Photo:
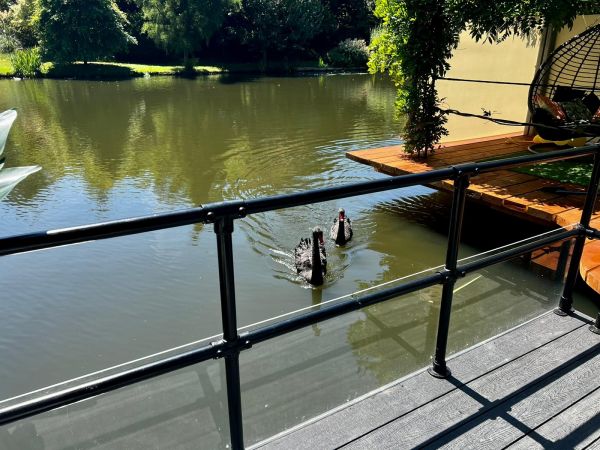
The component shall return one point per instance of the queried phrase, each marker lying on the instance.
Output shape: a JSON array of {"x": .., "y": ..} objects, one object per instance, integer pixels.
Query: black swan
[
  {"x": 311, "y": 259},
  {"x": 341, "y": 231}
]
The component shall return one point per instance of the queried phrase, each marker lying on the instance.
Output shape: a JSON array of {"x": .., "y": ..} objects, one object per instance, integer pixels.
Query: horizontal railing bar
[
  {"x": 274, "y": 203},
  {"x": 35, "y": 241},
  {"x": 330, "y": 312},
  {"x": 119, "y": 228},
  {"x": 148, "y": 371},
  {"x": 517, "y": 251},
  {"x": 593, "y": 233},
  {"x": 219, "y": 349},
  {"x": 517, "y": 161},
  {"x": 368, "y": 187},
  {"x": 67, "y": 396},
  {"x": 85, "y": 233}
]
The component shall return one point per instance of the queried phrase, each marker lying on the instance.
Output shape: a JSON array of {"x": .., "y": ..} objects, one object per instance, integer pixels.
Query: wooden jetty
[
  {"x": 518, "y": 194},
  {"x": 535, "y": 386}
]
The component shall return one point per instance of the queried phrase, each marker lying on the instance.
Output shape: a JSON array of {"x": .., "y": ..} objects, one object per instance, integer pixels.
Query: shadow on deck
[{"x": 535, "y": 386}]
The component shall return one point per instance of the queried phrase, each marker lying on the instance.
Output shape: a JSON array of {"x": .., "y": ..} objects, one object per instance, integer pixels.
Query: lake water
[{"x": 111, "y": 150}]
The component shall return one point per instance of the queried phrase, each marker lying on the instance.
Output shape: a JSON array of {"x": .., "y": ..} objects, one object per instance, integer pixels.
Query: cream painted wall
[
  {"x": 512, "y": 60},
  {"x": 581, "y": 24}
]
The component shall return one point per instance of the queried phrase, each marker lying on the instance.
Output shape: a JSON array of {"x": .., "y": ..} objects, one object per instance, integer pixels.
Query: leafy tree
[
  {"x": 346, "y": 19},
  {"x": 81, "y": 30},
  {"x": 418, "y": 37},
  {"x": 10, "y": 31},
  {"x": 8, "y": 42},
  {"x": 5, "y": 4},
  {"x": 182, "y": 26},
  {"x": 278, "y": 25},
  {"x": 135, "y": 17},
  {"x": 22, "y": 19},
  {"x": 146, "y": 49}
]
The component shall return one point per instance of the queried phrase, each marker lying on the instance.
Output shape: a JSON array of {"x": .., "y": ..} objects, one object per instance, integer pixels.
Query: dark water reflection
[{"x": 119, "y": 149}]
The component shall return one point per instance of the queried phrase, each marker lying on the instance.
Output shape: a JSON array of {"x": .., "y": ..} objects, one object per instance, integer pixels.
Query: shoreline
[{"x": 101, "y": 71}]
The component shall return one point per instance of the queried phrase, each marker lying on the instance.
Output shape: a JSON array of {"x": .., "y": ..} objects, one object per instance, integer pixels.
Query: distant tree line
[{"x": 177, "y": 31}]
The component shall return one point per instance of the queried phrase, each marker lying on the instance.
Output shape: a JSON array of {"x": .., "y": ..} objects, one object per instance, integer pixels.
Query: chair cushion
[
  {"x": 596, "y": 116},
  {"x": 544, "y": 117},
  {"x": 543, "y": 102},
  {"x": 567, "y": 94},
  {"x": 576, "y": 111},
  {"x": 592, "y": 102}
]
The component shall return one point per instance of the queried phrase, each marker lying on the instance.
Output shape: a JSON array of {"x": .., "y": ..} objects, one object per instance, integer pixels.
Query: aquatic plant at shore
[{"x": 27, "y": 63}]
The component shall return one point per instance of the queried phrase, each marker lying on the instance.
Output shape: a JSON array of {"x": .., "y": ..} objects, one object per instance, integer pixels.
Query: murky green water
[{"x": 120, "y": 149}]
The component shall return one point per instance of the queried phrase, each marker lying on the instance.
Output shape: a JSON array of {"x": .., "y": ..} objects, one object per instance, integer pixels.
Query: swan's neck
[
  {"x": 341, "y": 234},
  {"x": 316, "y": 276}
]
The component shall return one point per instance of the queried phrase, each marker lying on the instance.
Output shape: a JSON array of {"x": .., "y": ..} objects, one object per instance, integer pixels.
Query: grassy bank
[
  {"x": 569, "y": 171},
  {"x": 6, "y": 68},
  {"x": 575, "y": 172},
  {"x": 113, "y": 70}
]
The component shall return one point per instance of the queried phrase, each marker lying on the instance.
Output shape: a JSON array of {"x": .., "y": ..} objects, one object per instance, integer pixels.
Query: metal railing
[{"x": 223, "y": 216}]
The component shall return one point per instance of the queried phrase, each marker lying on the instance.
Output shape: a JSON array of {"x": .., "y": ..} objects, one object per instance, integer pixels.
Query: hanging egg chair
[{"x": 565, "y": 91}]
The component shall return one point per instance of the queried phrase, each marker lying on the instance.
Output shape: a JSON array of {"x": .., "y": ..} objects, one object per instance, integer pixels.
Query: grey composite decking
[{"x": 537, "y": 386}]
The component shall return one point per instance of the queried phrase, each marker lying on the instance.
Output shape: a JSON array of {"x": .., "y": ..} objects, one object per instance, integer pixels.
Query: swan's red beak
[
  {"x": 321, "y": 240},
  {"x": 342, "y": 217}
]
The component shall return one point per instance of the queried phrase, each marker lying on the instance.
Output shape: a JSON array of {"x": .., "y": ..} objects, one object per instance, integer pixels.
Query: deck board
[
  {"x": 518, "y": 194},
  {"x": 563, "y": 431},
  {"x": 482, "y": 401},
  {"x": 500, "y": 392}
]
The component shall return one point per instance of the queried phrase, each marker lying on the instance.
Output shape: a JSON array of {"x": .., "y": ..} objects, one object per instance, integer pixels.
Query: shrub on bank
[
  {"x": 27, "y": 63},
  {"x": 90, "y": 71},
  {"x": 349, "y": 53}
]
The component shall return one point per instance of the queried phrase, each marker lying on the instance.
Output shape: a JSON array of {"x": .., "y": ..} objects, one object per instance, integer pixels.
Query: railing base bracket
[
  {"x": 445, "y": 373},
  {"x": 594, "y": 329},
  {"x": 561, "y": 313}
]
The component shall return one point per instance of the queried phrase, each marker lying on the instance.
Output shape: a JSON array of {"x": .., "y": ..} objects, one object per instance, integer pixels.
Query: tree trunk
[
  {"x": 263, "y": 60},
  {"x": 186, "y": 57}
]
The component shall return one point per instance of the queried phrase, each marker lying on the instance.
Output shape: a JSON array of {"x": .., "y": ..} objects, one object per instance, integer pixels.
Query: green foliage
[
  {"x": 276, "y": 25},
  {"x": 81, "y": 30},
  {"x": 500, "y": 19},
  {"x": 349, "y": 53},
  {"x": 8, "y": 41},
  {"x": 5, "y": 4},
  {"x": 91, "y": 71},
  {"x": 345, "y": 19},
  {"x": 182, "y": 26},
  {"x": 16, "y": 30},
  {"x": 224, "y": 30},
  {"x": 417, "y": 38},
  {"x": 22, "y": 21},
  {"x": 575, "y": 172},
  {"x": 413, "y": 46},
  {"x": 27, "y": 63}
]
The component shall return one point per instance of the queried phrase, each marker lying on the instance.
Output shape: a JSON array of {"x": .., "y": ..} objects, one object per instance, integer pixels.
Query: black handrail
[
  {"x": 240, "y": 208},
  {"x": 224, "y": 214}
]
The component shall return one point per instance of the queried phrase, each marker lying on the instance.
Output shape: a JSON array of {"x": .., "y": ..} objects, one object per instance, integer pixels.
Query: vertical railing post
[
  {"x": 461, "y": 183},
  {"x": 565, "y": 306},
  {"x": 563, "y": 260},
  {"x": 224, "y": 230}
]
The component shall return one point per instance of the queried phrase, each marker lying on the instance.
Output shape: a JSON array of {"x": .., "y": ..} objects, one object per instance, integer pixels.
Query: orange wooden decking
[{"x": 519, "y": 194}]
